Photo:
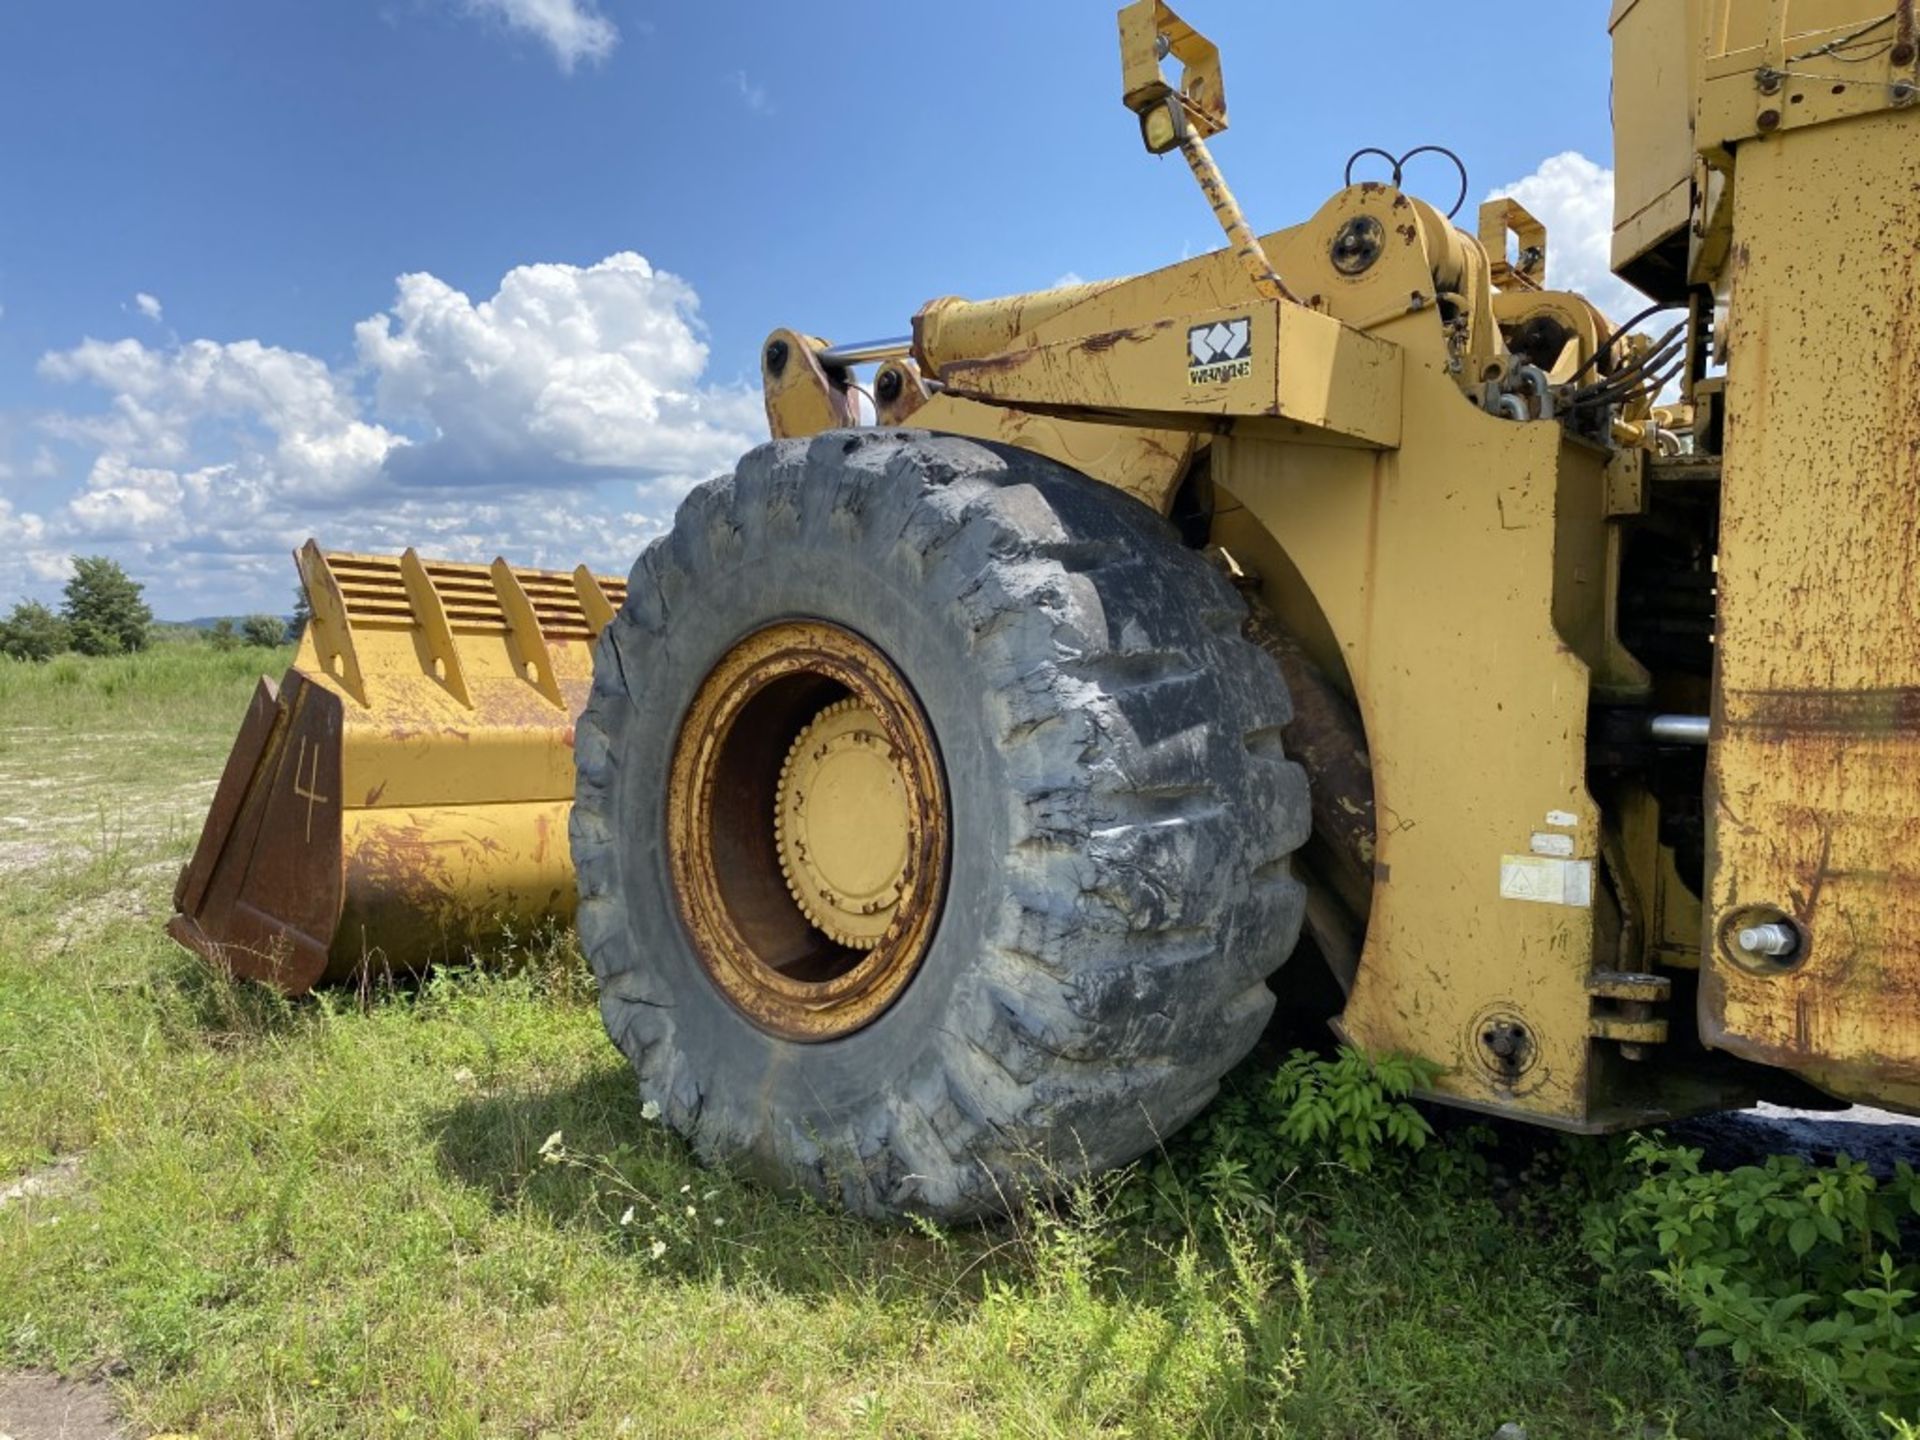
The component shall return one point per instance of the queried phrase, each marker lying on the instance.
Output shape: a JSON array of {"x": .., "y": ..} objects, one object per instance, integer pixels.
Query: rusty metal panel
[
  {"x": 262, "y": 894},
  {"x": 1814, "y": 778}
]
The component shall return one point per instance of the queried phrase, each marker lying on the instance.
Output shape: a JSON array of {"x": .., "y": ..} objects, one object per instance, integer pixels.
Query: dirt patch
[
  {"x": 55, "y": 1179},
  {"x": 34, "y": 1406},
  {"x": 23, "y": 855}
]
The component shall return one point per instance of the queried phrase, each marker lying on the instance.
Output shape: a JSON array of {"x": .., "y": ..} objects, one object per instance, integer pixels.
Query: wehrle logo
[{"x": 1218, "y": 352}]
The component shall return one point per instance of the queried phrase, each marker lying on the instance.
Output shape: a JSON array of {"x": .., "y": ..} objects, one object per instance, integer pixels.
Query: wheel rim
[{"x": 808, "y": 829}]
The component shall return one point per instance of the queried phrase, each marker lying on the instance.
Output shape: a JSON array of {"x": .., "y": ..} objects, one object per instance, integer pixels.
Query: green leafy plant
[
  {"x": 1313, "y": 1109},
  {"x": 1353, "y": 1106},
  {"x": 1799, "y": 1270}
]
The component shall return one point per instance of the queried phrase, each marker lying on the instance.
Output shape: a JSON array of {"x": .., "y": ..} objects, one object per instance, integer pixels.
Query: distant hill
[{"x": 207, "y": 622}]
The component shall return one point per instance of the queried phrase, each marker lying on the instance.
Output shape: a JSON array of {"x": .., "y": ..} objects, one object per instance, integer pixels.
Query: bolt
[
  {"x": 1505, "y": 1039},
  {"x": 887, "y": 386},
  {"x": 1768, "y": 80},
  {"x": 1902, "y": 55},
  {"x": 1769, "y": 119},
  {"x": 776, "y": 358},
  {"x": 1358, "y": 245},
  {"x": 1903, "y": 91},
  {"x": 1774, "y": 939}
]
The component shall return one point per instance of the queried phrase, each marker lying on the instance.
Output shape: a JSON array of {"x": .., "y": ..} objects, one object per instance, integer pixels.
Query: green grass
[{"x": 334, "y": 1217}]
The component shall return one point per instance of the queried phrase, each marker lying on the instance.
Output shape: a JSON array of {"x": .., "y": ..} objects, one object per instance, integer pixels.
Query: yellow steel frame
[{"x": 1459, "y": 574}]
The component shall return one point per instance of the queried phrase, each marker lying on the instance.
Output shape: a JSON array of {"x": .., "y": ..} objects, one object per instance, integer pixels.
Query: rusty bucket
[{"x": 403, "y": 792}]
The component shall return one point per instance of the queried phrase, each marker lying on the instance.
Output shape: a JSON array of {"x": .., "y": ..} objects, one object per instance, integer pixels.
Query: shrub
[
  {"x": 265, "y": 631},
  {"x": 222, "y": 635},
  {"x": 1800, "y": 1270},
  {"x": 32, "y": 632},
  {"x": 1313, "y": 1109},
  {"x": 104, "y": 609}
]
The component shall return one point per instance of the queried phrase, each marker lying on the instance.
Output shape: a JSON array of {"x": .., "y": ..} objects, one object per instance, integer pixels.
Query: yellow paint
[
  {"x": 455, "y": 688},
  {"x": 843, "y": 824}
]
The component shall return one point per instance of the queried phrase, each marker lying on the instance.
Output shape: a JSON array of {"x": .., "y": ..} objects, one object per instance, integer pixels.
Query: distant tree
[
  {"x": 32, "y": 632},
  {"x": 221, "y": 636},
  {"x": 264, "y": 630},
  {"x": 103, "y": 608},
  {"x": 302, "y": 614}
]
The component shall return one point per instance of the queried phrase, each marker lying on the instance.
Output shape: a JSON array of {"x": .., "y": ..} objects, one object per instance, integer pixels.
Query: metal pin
[{"x": 1775, "y": 939}]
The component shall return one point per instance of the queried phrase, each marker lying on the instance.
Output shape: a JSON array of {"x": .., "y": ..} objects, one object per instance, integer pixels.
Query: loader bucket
[{"x": 403, "y": 792}]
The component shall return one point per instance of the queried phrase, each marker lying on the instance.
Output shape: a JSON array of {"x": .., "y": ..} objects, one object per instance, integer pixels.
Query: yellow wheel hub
[
  {"x": 842, "y": 825},
  {"x": 810, "y": 887}
]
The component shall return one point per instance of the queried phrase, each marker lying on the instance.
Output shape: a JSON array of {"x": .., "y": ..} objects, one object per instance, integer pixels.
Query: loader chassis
[{"x": 1556, "y": 895}]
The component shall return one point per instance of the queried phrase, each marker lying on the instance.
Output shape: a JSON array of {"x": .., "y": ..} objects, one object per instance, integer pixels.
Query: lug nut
[{"x": 1775, "y": 939}]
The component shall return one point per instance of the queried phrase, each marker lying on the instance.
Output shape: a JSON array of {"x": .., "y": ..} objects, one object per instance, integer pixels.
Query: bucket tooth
[{"x": 404, "y": 791}]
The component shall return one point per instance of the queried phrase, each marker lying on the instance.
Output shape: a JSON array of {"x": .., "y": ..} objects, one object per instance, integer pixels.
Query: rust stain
[
  {"x": 986, "y": 365},
  {"x": 1813, "y": 878},
  {"x": 1106, "y": 340},
  {"x": 1792, "y": 714},
  {"x": 399, "y": 861}
]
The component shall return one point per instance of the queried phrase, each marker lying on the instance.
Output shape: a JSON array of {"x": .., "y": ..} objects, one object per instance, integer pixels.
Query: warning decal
[
  {"x": 1219, "y": 352},
  {"x": 1546, "y": 881}
]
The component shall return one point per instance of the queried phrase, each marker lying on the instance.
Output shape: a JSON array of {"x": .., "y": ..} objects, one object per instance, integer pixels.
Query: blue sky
[{"x": 490, "y": 276}]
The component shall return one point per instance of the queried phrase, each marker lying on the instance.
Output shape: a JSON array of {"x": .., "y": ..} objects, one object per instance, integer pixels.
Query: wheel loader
[{"x": 959, "y": 790}]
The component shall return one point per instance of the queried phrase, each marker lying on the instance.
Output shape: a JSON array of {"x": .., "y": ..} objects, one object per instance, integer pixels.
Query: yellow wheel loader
[{"x": 956, "y": 793}]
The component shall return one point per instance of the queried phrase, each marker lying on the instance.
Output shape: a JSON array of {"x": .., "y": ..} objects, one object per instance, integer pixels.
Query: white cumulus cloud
[
  {"x": 1574, "y": 197},
  {"x": 566, "y": 367},
  {"x": 555, "y": 421},
  {"x": 289, "y": 419},
  {"x": 574, "y": 30},
  {"x": 148, "y": 306}
]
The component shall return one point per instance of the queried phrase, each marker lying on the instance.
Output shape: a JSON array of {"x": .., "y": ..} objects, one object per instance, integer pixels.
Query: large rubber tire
[{"x": 1122, "y": 816}]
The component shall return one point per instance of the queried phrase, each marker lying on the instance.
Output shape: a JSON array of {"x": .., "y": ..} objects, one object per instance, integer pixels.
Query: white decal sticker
[
  {"x": 1563, "y": 819},
  {"x": 1546, "y": 881},
  {"x": 1545, "y": 842}
]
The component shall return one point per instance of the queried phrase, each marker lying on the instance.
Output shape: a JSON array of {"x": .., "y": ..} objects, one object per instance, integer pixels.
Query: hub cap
[
  {"x": 808, "y": 829},
  {"x": 843, "y": 824}
]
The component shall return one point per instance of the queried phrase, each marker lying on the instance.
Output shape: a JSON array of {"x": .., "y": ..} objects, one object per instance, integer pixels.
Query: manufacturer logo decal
[{"x": 1220, "y": 352}]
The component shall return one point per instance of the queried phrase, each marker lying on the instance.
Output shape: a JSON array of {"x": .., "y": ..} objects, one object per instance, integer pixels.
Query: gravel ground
[{"x": 1742, "y": 1137}]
